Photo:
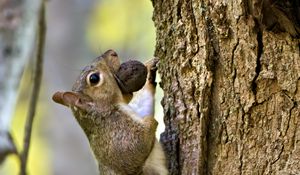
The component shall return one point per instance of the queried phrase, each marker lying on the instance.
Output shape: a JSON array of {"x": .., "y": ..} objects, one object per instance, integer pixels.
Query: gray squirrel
[{"x": 118, "y": 122}]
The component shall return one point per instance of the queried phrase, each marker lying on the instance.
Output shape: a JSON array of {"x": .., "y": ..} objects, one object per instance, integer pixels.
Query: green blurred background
[{"x": 77, "y": 32}]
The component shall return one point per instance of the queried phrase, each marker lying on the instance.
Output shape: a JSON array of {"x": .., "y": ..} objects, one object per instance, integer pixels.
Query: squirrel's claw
[{"x": 152, "y": 68}]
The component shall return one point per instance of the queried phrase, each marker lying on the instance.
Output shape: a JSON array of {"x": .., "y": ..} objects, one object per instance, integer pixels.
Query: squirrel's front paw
[
  {"x": 150, "y": 122},
  {"x": 152, "y": 68}
]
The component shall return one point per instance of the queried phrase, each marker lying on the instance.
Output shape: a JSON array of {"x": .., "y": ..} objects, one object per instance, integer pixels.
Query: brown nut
[{"x": 131, "y": 76}]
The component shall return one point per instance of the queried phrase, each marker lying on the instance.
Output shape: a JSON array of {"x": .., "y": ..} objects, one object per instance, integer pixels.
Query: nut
[{"x": 131, "y": 76}]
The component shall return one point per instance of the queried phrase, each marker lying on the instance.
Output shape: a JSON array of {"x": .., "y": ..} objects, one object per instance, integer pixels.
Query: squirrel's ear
[
  {"x": 71, "y": 99},
  {"x": 112, "y": 60},
  {"x": 131, "y": 76}
]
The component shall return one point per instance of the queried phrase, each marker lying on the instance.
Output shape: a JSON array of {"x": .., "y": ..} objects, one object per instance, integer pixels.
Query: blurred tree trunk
[
  {"x": 230, "y": 73},
  {"x": 18, "y": 31}
]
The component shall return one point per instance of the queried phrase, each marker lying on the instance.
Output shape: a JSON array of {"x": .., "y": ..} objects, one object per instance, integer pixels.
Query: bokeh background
[{"x": 77, "y": 32}]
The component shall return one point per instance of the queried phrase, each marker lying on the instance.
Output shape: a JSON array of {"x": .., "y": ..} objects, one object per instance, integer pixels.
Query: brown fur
[{"x": 121, "y": 140}]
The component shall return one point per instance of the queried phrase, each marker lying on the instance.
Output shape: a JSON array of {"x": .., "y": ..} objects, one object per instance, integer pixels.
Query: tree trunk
[
  {"x": 18, "y": 29},
  {"x": 230, "y": 74}
]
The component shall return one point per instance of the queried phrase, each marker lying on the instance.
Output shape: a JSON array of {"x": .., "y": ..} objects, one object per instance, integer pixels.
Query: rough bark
[{"x": 230, "y": 74}]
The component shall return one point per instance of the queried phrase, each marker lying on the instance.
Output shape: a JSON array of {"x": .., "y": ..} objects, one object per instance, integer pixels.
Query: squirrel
[{"x": 118, "y": 122}]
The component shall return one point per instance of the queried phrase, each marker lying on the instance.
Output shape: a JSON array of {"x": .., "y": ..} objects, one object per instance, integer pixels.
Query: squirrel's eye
[{"x": 93, "y": 79}]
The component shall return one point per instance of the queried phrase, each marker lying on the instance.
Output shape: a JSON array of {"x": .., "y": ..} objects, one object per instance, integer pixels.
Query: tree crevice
[{"x": 260, "y": 49}]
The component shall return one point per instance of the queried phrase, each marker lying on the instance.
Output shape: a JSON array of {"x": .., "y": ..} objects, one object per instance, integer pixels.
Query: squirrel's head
[{"x": 104, "y": 82}]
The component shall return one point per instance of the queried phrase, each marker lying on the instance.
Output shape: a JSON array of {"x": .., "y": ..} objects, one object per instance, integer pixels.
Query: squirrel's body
[
  {"x": 120, "y": 129},
  {"x": 125, "y": 146}
]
